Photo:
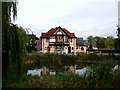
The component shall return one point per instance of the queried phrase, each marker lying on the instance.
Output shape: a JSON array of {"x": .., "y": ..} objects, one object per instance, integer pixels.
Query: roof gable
[
  {"x": 52, "y": 31},
  {"x": 59, "y": 31}
]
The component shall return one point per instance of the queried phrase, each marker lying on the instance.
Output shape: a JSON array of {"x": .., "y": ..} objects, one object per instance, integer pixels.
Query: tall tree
[
  {"x": 7, "y": 9},
  {"x": 13, "y": 39},
  {"x": 7, "y": 38}
]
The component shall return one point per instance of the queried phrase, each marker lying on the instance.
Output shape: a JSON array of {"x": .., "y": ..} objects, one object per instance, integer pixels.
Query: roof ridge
[{"x": 52, "y": 30}]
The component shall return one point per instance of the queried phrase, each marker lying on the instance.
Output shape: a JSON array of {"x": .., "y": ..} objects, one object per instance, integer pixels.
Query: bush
[{"x": 68, "y": 59}]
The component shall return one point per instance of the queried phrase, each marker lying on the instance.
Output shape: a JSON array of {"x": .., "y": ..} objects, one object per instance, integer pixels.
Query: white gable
[{"x": 59, "y": 32}]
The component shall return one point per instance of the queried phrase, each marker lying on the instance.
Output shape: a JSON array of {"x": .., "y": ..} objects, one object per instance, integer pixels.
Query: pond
[{"x": 71, "y": 69}]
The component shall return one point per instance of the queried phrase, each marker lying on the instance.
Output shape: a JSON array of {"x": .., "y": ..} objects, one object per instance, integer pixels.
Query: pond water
[{"x": 80, "y": 72}]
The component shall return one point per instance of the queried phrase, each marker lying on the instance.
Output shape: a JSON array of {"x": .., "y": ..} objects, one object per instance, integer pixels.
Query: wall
[
  {"x": 78, "y": 49},
  {"x": 73, "y": 45},
  {"x": 44, "y": 45}
]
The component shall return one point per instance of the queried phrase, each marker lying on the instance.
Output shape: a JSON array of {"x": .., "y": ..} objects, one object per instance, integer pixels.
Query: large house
[{"x": 57, "y": 40}]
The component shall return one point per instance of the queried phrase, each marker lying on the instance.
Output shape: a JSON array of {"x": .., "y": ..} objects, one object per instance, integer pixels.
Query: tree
[
  {"x": 7, "y": 33},
  {"x": 90, "y": 38},
  {"x": 90, "y": 47},
  {"x": 110, "y": 42},
  {"x": 7, "y": 8},
  {"x": 100, "y": 42},
  {"x": 13, "y": 40},
  {"x": 118, "y": 40},
  {"x": 117, "y": 43},
  {"x": 32, "y": 40},
  {"x": 90, "y": 41}
]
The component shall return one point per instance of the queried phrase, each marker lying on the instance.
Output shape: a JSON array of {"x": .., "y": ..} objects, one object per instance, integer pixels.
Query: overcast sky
[{"x": 83, "y": 17}]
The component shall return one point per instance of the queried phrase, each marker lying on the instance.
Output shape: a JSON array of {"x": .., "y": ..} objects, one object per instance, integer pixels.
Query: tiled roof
[
  {"x": 52, "y": 30},
  {"x": 49, "y": 33},
  {"x": 43, "y": 34},
  {"x": 80, "y": 42},
  {"x": 94, "y": 44}
]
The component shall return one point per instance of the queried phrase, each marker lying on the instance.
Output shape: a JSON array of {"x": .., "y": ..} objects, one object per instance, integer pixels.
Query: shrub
[{"x": 68, "y": 59}]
